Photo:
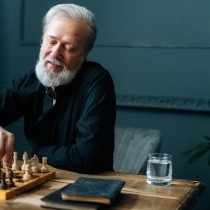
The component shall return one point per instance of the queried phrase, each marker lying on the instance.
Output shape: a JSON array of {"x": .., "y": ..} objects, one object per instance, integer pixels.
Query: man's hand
[{"x": 6, "y": 147}]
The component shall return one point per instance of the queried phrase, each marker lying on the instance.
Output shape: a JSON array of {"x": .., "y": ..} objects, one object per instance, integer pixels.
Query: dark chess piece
[
  {"x": 3, "y": 185},
  {"x": 1, "y": 167},
  {"x": 10, "y": 183}
]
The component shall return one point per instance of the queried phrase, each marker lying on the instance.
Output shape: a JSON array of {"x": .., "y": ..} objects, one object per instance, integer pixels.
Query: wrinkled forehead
[
  {"x": 68, "y": 27},
  {"x": 65, "y": 17}
]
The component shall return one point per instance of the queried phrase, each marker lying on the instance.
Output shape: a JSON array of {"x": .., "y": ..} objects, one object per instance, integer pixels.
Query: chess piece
[
  {"x": 27, "y": 175},
  {"x": 15, "y": 166},
  {"x": 25, "y": 159},
  {"x": 35, "y": 164},
  {"x": 10, "y": 183},
  {"x": 1, "y": 165},
  {"x": 29, "y": 166},
  {"x": 44, "y": 168},
  {"x": 3, "y": 185},
  {"x": 6, "y": 171}
]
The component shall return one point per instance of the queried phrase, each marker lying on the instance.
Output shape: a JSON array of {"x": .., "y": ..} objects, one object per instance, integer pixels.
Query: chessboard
[{"x": 19, "y": 179}]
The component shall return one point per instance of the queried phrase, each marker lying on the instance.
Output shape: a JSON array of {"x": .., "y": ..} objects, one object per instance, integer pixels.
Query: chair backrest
[{"x": 132, "y": 146}]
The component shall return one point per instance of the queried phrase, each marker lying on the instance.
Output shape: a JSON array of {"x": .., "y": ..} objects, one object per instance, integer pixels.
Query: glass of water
[{"x": 159, "y": 169}]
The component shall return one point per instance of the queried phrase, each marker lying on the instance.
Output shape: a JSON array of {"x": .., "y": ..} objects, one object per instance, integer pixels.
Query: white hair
[{"x": 75, "y": 12}]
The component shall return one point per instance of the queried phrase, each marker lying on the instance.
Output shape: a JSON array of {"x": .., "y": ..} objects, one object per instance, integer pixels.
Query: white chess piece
[
  {"x": 35, "y": 164},
  {"x": 29, "y": 166},
  {"x": 7, "y": 171},
  {"x": 25, "y": 159},
  {"x": 27, "y": 175},
  {"x": 44, "y": 165},
  {"x": 15, "y": 166}
]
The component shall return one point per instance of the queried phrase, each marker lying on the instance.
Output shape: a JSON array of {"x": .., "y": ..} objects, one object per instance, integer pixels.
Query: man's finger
[
  {"x": 6, "y": 145},
  {"x": 3, "y": 139}
]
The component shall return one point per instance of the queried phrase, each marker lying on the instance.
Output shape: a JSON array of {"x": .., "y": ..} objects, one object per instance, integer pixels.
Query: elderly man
[{"x": 68, "y": 103}]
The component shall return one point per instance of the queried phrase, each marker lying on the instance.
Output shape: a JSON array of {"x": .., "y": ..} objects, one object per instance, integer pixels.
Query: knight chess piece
[{"x": 35, "y": 164}]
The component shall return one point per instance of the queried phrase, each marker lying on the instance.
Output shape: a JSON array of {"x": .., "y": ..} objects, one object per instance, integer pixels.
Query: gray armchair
[{"x": 132, "y": 146}]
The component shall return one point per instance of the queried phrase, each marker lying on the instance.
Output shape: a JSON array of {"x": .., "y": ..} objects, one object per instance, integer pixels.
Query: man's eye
[
  {"x": 52, "y": 42},
  {"x": 69, "y": 49}
]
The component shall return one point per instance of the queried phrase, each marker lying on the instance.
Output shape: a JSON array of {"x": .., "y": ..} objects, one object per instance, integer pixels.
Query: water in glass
[{"x": 159, "y": 169}]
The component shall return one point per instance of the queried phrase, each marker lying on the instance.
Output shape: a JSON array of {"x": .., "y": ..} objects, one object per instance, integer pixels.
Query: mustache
[{"x": 53, "y": 61}]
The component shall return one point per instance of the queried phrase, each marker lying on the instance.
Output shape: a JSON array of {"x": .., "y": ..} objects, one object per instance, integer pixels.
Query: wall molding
[
  {"x": 163, "y": 102},
  {"x": 21, "y": 22},
  {"x": 153, "y": 45},
  {"x": 136, "y": 101},
  {"x": 23, "y": 40},
  {"x": 26, "y": 41}
]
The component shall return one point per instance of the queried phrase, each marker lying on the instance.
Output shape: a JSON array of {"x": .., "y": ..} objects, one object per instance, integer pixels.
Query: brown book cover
[{"x": 96, "y": 190}]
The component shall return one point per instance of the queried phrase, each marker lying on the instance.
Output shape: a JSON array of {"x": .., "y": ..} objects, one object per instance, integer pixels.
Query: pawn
[
  {"x": 27, "y": 175},
  {"x": 3, "y": 185},
  {"x": 44, "y": 168}
]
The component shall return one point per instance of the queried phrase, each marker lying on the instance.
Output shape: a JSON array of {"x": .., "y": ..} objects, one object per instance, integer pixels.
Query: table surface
[{"x": 136, "y": 194}]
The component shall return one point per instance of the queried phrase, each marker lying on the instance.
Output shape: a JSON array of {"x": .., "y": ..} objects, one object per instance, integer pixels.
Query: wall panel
[{"x": 153, "y": 40}]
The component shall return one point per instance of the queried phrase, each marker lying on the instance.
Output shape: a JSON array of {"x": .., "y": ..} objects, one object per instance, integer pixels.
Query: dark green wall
[{"x": 158, "y": 54}]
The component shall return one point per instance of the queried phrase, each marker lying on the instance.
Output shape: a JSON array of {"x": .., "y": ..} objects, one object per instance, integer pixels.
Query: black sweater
[{"x": 77, "y": 133}]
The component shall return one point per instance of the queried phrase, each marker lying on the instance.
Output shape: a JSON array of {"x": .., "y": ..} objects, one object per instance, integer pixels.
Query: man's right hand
[{"x": 6, "y": 147}]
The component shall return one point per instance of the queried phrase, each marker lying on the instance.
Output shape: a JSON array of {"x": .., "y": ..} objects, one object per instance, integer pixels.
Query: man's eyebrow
[
  {"x": 51, "y": 36},
  {"x": 54, "y": 37}
]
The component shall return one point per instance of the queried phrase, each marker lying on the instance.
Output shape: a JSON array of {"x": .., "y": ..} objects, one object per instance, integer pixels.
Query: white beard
[{"x": 52, "y": 79}]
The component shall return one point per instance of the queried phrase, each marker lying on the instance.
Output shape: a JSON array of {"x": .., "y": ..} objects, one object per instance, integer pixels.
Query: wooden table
[{"x": 136, "y": 194}]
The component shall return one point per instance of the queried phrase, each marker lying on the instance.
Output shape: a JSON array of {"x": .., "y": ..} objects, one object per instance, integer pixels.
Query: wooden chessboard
[{"x": 23, "y": 186}]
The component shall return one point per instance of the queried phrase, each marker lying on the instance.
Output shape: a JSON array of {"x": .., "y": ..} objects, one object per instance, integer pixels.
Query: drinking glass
[{"x": 159, "y": 169}]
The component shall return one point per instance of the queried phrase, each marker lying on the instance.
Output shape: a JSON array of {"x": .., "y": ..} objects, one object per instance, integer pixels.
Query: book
[
  {"x": 96, "y": 190},
  {"x": 54, "y": 201}
]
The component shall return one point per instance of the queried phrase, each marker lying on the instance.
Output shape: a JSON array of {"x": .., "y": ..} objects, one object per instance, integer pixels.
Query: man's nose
[{"x": 56, "y": 51}]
